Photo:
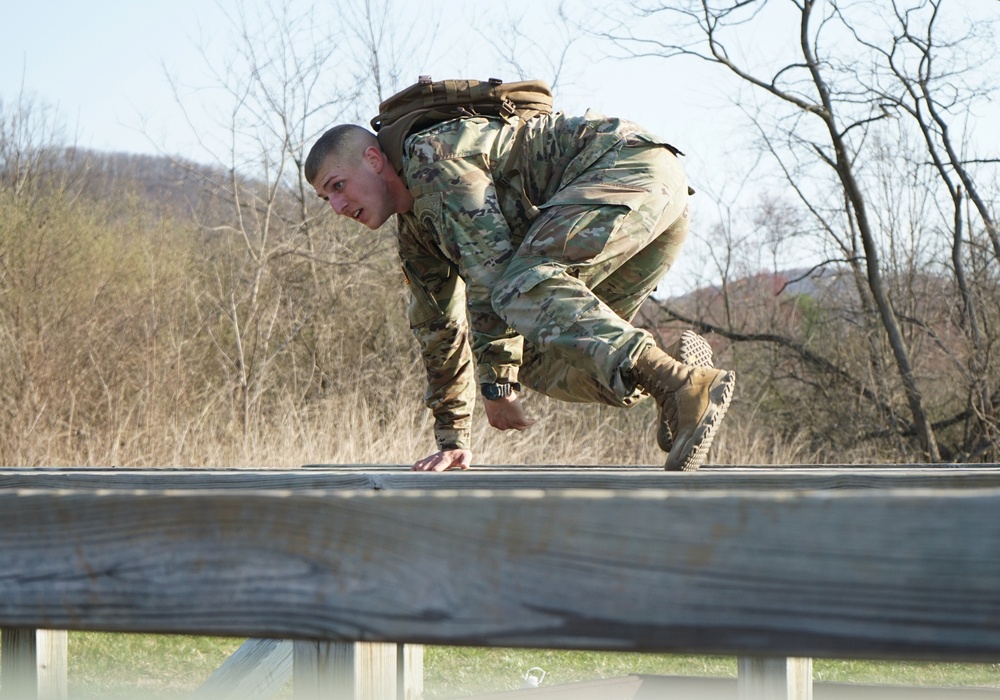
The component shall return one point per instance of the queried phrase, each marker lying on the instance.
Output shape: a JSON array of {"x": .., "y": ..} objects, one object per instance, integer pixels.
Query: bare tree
[
  {"x": 278, "y": 85},
  {"x": 532, "y": 50},
  {"x": 33, "y": 143},
  {"x": 276, "y": 269},
  {"x": 928, "y": 62},
  {"x": 826, "y": 112},
  {"x": 387, "y": 45}
]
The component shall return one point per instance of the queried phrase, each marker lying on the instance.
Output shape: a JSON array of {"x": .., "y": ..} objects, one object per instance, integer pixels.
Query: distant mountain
[
  {"x": 169, "y": 185},
  {"x": 825, "y": 283},
  {"x": 755, "y": 301}
]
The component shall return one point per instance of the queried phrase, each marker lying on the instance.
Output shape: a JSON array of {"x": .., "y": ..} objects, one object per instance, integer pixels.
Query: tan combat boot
[
  {"x": 691, "y": 349},
  {"x": 700, "y": 395}
]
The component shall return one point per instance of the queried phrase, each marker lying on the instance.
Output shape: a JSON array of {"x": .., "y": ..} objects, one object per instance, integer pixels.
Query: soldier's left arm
[{"x": 437, "y": 320}]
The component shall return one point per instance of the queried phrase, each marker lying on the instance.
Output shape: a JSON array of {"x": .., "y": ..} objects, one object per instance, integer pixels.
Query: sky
[
  {"x": 99, "y": 62},
  {"x": 104, "y": 66}
]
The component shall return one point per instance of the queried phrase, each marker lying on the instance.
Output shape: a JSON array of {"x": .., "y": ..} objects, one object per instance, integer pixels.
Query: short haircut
[{"x": 339, "y": 140}]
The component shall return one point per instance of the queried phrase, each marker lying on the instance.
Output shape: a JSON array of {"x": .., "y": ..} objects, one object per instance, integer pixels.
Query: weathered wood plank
[
  {"x": 255, "y": 671},
  {"x": 52, "y": 664},
  {"x": 183, "y": 479},
  {"x": 409, "y": 672},
  {"x": 894, "y": 574},
  {"x": 33, "y": 664},
  {"x": 506, "y": 479}
]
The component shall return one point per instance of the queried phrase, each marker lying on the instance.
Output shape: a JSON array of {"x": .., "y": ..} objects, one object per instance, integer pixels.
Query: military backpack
[{"x": 429, "y": 102}]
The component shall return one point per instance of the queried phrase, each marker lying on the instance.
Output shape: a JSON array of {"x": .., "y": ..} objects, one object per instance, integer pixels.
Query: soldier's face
[{"x": 356, "y": 189}]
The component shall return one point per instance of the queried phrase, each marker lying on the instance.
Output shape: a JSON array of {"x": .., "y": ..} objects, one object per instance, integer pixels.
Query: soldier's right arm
[{"x": 438, "y": 322}]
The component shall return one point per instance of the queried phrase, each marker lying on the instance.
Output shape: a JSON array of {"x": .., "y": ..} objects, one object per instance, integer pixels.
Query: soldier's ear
[{"x": 375, "y": 158}]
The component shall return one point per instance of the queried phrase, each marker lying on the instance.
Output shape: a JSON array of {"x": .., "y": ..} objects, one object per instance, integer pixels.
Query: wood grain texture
[
  {"x": 409, "y": 672},
  {"x": 33, "y": 664},
  {"x": 255, "y": 671},
  {"x": 53, "y": 664},
  {"x": 618, "y": 479},
  {"x": 873, "y": 573}
]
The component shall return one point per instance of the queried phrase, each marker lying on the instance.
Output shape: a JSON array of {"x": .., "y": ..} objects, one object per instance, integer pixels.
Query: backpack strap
[{"x": 513, "y": 166}]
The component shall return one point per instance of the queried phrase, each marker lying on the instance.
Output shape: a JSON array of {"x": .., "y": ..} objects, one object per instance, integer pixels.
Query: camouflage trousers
[{"x": 586, "y": 265}]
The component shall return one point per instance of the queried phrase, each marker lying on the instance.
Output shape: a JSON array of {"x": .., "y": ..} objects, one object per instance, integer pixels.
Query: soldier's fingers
[
  {"x": 456, "y": 461},
  {"x": 426, "y": 464}
]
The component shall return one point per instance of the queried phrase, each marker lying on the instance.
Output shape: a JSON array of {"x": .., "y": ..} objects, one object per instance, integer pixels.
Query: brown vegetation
[
  {"x": 145, "y": 331},
  {"x": 864, "y": 124},
  {"x": 158, "y": 331}
]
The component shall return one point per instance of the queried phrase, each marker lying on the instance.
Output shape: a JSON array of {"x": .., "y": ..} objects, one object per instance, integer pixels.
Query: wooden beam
[
  {"x": 878, "y": 574},
  {"x": 33, "y": 664},
  {"x": 507, "y": 478}
]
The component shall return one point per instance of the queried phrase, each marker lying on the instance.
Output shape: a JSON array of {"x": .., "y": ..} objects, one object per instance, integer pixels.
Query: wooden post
[
  {"x": 774, "y": 678},
  {"x": 343, "y": 670},
  {"x": 409, "y": 671},
  {"x": 255, "y": 671},
  {"x": 34, "y": 664}
]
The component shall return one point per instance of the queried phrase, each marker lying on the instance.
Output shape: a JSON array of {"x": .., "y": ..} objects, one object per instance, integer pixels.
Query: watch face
[{"x": 492, "y": 392}]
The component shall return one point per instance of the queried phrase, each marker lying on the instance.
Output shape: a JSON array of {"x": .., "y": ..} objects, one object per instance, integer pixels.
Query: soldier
[{"x": 535, "y": 277}]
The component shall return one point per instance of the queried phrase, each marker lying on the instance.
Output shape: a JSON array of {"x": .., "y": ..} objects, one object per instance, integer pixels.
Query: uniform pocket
[{"x": 424, "y": 307}]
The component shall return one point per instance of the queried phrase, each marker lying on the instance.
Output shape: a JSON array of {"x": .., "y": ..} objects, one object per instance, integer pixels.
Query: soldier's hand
[
  {"x": 507, "y": 413},
  {"x": 444, "y": 460}
]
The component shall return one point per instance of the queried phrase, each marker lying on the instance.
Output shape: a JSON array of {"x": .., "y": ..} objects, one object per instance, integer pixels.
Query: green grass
[
  {"x": 142, "y": 665},
  {"x": 907, "y": 673},
  {"x": 159, "y": 667},
  {"x": 452, "y": 671}
]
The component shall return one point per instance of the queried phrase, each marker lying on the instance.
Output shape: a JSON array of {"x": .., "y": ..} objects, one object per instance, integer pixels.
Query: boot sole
[
  {"x": 694, "y": 350},
  {"x": 693, "y": 452}
]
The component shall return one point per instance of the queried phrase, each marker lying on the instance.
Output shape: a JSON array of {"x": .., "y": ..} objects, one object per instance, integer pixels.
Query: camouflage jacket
[{"x": 462, "y": 232}]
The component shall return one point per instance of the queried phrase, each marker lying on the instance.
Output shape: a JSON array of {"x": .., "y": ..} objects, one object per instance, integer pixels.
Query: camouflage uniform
[{"x": 546, "y": 295}]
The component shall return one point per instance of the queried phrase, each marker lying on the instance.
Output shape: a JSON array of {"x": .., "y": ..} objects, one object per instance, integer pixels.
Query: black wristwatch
[{"x": 498, "y": 390}]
